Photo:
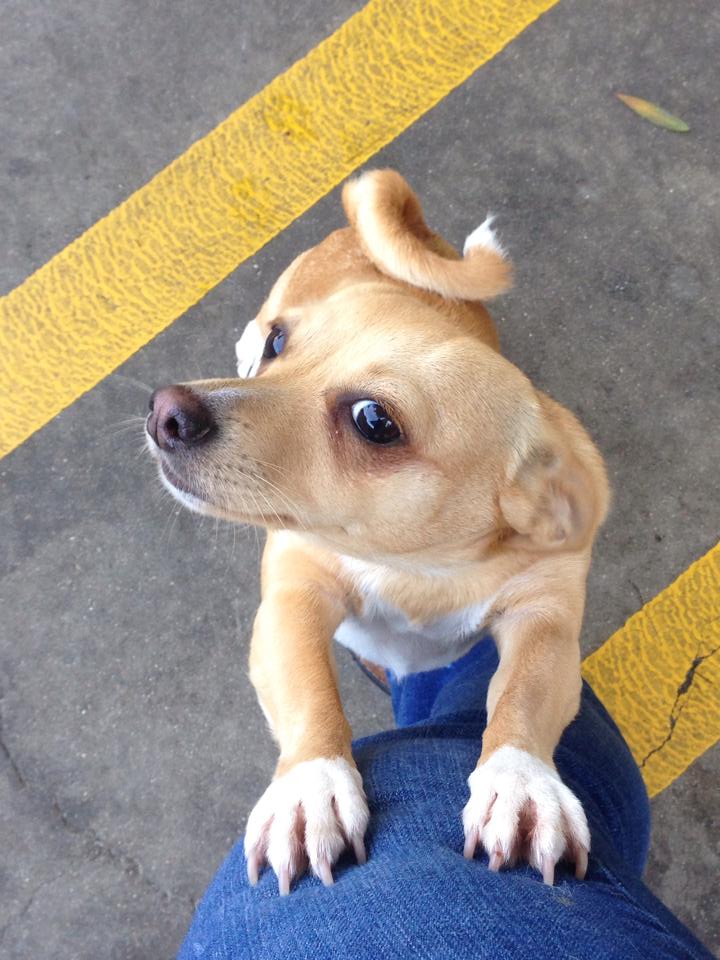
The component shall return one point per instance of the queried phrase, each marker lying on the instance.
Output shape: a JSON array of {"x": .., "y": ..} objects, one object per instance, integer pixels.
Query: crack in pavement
[
  {"x": 28, "y": 904},
  {"x": 94, "y": 847},
  {"x": 637, "y": 590},
  {"x": 98, "y": 849},
  {"x": 5, "y": 750},
  {"x": 681, "y": 700}
]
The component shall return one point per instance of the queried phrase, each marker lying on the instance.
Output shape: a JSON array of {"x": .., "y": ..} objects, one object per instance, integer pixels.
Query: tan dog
[{"x": 416, "y": 488}]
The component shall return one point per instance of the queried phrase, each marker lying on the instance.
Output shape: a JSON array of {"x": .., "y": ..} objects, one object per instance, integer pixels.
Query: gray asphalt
[{"x": 132, "y": 747}]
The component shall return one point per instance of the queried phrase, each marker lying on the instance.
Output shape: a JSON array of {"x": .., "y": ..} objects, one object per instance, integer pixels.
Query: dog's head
[{"x": 373, "y": 409}]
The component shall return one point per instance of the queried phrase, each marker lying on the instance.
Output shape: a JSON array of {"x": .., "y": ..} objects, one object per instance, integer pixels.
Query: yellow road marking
[
  {"x": 133, "y": 273},
  {"x": 659, "y": 676},
  {"x": 153, "y": 257}
]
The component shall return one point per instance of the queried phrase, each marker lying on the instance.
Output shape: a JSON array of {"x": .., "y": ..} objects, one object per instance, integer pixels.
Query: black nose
[{"x": 178, "y": 418}]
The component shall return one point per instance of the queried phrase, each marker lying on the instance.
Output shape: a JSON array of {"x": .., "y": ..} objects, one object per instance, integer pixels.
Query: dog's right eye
[{"x": 275, "y": 343}]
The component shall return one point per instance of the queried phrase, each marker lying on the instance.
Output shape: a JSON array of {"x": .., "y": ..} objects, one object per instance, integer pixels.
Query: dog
[{"x": 416, "y": 488}]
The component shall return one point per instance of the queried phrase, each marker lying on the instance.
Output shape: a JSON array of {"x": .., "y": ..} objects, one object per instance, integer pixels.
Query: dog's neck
[{"x": 439, "y": 560}]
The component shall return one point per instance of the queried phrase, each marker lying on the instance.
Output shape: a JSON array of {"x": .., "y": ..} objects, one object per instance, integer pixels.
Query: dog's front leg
[
  {"x": 315, "y": 806},
  {"x": 519, "y": 808}
]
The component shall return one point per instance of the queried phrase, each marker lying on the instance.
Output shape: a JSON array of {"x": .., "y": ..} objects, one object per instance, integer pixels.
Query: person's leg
[
  {"x": 417, "y": 896},
  {"x": 592, "y": 757}
]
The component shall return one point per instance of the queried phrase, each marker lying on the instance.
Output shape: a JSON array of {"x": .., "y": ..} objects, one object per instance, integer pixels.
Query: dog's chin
[
  {"x": 182, "y": 492},
  {"x": 176, "y": 485}
]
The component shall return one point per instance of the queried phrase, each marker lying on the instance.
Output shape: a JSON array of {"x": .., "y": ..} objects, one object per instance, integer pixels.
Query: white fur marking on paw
[
  {"x": 519, "y": 808},
  {"x": 310, "y": 814},
  {"x": 249, "y": 350},
  {"x": 484, "y": 236}
]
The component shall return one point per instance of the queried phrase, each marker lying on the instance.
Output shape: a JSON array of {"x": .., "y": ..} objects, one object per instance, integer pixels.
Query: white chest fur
[{"x": 385, "y": 635}]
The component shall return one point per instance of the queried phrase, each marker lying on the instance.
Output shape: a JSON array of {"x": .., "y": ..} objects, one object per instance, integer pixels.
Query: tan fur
[
  {"x": 391, "y": 228},
  {"x": 497, "y": 491}
]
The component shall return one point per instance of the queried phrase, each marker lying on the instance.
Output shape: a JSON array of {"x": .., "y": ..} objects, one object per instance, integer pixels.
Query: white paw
[
  {"x": 308, "y": 815},
  {"x": 249, "y": 350},
  {"x": 519, "y": 809}
]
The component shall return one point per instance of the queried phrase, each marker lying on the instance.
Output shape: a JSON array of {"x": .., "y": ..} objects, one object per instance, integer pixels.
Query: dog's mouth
[
  {"x": 191, "y": 497},
  {"x": 179, "y": 483},
  {"x": 174, "y": 482}
]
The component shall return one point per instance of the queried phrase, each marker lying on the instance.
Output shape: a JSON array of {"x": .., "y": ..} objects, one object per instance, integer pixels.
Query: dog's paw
[
  {"x": 308, "y": 815},
  {"x": 519, "y": 809}
]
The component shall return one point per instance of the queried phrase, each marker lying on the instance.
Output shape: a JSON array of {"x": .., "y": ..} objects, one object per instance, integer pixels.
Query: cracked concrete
[
  {"x": 93, "y": 846},
  {"x": 11, "y": 760},
  {"x": 133, "y": 746},
  {"x": 680, "y": 701}
]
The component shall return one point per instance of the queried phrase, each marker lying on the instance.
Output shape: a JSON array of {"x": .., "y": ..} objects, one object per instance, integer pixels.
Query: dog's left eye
[
  {"x": 275, "y": 343},
  {"x": 373, "y": 421}
]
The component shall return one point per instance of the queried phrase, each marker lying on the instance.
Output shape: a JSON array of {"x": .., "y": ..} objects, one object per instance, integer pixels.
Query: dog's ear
[
  {"x": 389, "y": 222},
  {"x": 558, "y": 495}
]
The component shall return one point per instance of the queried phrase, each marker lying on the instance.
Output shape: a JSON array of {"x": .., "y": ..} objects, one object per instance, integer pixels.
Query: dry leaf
[{"x": 654, "y": 113}]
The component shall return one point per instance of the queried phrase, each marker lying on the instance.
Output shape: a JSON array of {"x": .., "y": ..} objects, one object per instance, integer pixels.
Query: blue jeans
[{"x": 417, "y": 897}]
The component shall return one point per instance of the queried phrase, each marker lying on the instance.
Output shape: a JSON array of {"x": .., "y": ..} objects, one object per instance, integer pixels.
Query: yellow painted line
[
  {"x": 659, "y": 676},
  {"x": 134, "y": 272}
]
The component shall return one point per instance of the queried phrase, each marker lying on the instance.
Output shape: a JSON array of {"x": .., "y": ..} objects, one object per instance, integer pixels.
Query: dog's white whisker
[
  {"x": 272, "y": 509},
  {"x": 258, "y": 512},
  {"x": 113, "y": 431},
  {"x": 272, "y": 466},
  {"x": 175, "y": 516},
  {"x": 132, "y": 381},
  {"x": 293, "y": 507},
  {"x": 168, "y": 520}
]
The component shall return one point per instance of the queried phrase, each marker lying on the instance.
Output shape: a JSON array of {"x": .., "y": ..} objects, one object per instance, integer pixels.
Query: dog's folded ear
[
  {"x": 558, "y": 496},
  {"x": 389, "y": 222}
]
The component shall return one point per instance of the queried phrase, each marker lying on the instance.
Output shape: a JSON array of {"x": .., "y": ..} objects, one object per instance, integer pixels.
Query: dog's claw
[
  {"x": 471, "y": 842},
  {"x": 496, "y": 861},
  {"x": 522, "y": 810},
  {"x": 548, "y": 871},
  {"x": 325, "y": 873},
  {"x": 307, "y": 817},
  {"x": 253, "y": 869},
  {"x": 359, "y": 848}
]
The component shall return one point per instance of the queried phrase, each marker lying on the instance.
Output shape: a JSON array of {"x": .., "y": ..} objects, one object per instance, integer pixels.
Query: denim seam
[{"x": 613, "y": 878}]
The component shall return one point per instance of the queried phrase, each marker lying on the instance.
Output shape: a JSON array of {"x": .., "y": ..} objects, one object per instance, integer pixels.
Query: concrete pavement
[{"x": 132, "y": 747}]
